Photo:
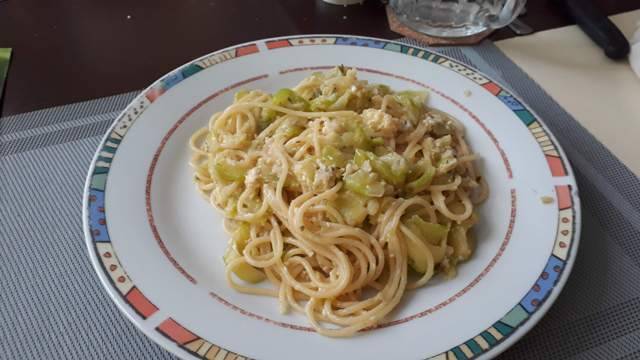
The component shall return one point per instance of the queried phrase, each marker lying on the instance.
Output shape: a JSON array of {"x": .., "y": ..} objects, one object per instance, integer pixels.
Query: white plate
[{"x": 157, "y": 246}]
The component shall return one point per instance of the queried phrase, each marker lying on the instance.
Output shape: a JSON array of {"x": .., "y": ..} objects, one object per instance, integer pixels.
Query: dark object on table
[
  {"x": 5, "y": 56},
  {"x": 598, "y": 27},
  {"x": 518, "y": 26}
]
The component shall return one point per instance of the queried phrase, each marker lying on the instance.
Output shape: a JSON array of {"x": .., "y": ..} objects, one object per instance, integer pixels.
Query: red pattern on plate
[
  {"x": 140, "y": 303},
  {"x": 564, "y": 197},
  {"x": 556, "y": 166},
  {"x": 277, "y": 44},
  {"x": 246, "y": 50},
  {"x": 176, "y": 332},
  {"x": 492, "y": 88}
]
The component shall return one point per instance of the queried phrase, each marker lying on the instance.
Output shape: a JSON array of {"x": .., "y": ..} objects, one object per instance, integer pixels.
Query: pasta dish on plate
[{"x": 341, "y": 194}]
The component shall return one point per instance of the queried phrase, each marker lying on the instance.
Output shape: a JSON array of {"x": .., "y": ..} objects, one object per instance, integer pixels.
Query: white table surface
[{"x": 603, "y": 95}]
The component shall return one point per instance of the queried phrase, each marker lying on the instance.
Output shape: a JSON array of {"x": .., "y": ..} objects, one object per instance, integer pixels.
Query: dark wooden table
[{"x": 67, "y": 51}]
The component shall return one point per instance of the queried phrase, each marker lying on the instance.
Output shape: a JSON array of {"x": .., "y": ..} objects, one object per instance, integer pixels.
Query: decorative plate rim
[{"x": 489, "y": 343}]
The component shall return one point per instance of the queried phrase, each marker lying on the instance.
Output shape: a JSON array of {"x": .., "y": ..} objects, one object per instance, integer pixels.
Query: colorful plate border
[{"x": 108, "y": 266}]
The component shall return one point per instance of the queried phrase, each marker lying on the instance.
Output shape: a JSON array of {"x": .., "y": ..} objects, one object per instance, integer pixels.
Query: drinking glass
[{"x": 456, "y": 18}]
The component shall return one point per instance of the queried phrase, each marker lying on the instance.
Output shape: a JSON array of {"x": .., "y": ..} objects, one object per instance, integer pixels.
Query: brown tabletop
[{"x": 67, "y": 51}]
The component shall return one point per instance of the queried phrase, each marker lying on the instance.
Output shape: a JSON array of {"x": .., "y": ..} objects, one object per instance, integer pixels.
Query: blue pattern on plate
[
  {"x": 361, "y": 42},
  {"x": 536, "y": 296},
  {"x": 171, "y": 80},
  {"x": 97, "y": 222},
  {"x": 510, "y": 101}
]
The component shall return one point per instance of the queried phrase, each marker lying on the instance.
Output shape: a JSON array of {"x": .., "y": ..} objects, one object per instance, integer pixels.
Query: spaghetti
[{"x": 342, "y": 194}]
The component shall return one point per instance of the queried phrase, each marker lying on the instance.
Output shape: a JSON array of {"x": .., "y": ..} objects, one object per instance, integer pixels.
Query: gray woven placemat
[{"x": 52, "y": 304}]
